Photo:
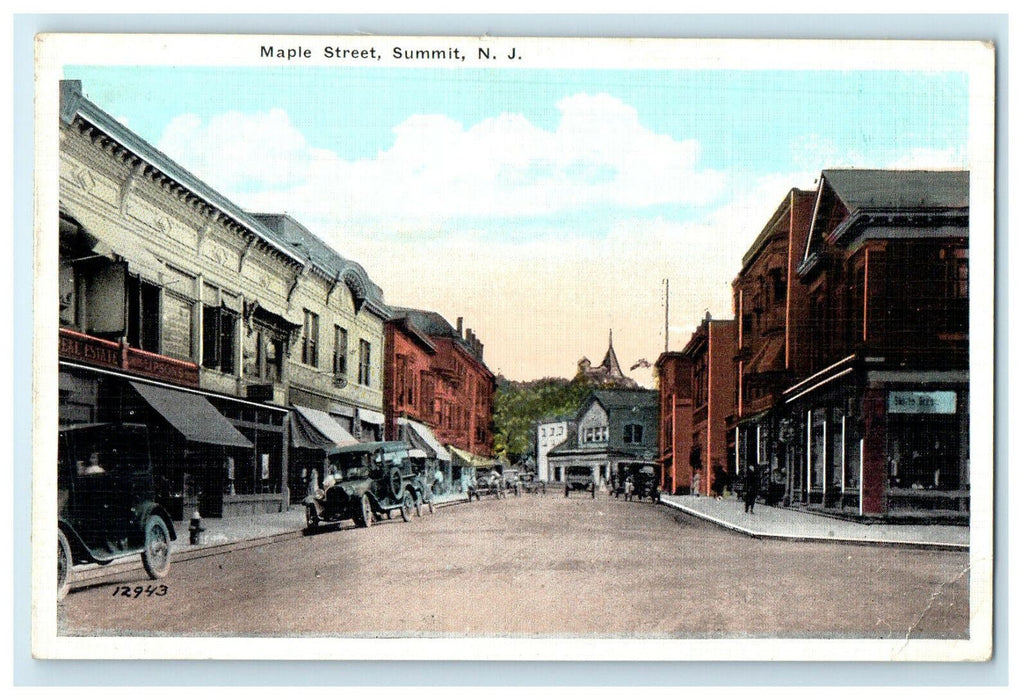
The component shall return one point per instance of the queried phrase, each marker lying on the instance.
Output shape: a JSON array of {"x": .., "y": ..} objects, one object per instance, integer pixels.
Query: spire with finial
[{"x": 610, "y": 360}]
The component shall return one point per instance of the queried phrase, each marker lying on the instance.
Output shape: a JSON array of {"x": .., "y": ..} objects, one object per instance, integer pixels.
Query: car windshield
[
  {"x": 354, "y": 465},
  {"x": 99, "y": 449}
]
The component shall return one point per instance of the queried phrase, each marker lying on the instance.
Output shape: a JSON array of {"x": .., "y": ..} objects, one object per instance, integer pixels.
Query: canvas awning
[
  {"x": 137, "y": 257},
  {"x": 467, "y": 459},
  {"x": 425, "y": 439},
  {"x": 317, "y": 430},
  {"x": 192, "y": 415},
  {"x": 368, "y": 416}
]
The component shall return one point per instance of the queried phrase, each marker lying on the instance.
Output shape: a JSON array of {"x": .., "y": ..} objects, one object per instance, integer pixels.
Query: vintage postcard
[{"x": 375, "y": 347}]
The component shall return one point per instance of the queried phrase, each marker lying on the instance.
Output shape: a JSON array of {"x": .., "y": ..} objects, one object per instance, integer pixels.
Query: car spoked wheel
[
  {"x": 366, "y": 515},
  {"x": 63, "y": 565},
  {"x": 407, "y": 506},
  {"x": 156, "y": 548}
]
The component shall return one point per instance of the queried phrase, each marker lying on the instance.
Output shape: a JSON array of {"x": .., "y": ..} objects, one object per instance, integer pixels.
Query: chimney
[
  {"x": 460, "y": 326},
  {"x": 468, "y": 335}
]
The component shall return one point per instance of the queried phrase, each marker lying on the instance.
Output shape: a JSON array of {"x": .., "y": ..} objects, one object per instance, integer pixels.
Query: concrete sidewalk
[
  {"x": 793, "y": 524},
  {"x": 222, "y": 535}
]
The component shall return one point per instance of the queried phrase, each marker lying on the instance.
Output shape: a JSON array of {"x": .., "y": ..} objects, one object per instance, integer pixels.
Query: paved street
[{"x": 542, "y": 565}]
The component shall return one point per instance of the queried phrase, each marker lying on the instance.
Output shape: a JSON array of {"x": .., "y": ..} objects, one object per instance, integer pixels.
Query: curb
[
  {"x": 96, "y": 574},
  {"x": 907, "y": 544}
]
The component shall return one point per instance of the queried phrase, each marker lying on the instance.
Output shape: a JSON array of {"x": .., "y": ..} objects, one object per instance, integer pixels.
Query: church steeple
[{"x": 610, "y": 359}]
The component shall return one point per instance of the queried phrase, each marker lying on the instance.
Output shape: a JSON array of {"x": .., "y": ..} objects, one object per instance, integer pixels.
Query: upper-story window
[
  {"x": 262, "y": 354},
  {"x": 309, "y": 341},
  {"x": 339, "y": 352},
  {"x": 364, "y": 364},
  {"x": 633, "y": 434},
  {"x": 220, "y": 326}
]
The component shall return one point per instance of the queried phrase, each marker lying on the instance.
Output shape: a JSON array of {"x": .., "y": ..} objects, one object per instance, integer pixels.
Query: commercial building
[
  {"x": 614, "y": 436},
  {"x": 878, "y": 424},
  {"x": 550, "y": 434},
  {"x": 770, "y": 306},
  {"x": 207, "y": 323}
]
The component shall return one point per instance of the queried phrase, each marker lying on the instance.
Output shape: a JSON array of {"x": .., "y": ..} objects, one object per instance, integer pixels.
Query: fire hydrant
[{"x": 195, "y": 528}]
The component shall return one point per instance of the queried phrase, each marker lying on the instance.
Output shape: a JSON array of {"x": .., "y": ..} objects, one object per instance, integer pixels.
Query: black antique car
[
  {"x": 365, "y": 482},
  {"x": 580, "y": 479},
  {"x": 106, "y": 507}
]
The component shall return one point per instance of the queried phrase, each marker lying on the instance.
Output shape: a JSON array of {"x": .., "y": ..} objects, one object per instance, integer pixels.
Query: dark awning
[{"x": 192, "y": 415}]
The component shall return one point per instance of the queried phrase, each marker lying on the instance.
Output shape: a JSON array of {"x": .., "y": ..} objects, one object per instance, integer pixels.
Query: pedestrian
[
  {"x": 629, "y": 488},
  {"x": 695, "y": 487},
  {"x": 751, "y": 484}
]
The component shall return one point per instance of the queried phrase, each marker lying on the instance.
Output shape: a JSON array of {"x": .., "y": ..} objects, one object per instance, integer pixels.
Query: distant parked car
[
  {"x": 366, "y": 481},
  {"x": 580, "y": 479},
  {"x": 512, "y": 483},
  {"x": 106, "y": 505},
  {"x": 532, "y": 484},
  {"x": 488, "y": 482}
]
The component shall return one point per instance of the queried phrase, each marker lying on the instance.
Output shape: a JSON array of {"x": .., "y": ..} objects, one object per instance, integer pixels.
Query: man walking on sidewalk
[{"x": 751, "y": 484}]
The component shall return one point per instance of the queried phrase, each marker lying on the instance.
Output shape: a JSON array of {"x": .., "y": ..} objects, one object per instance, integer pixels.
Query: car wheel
[
  {"x": 365, "y": 515},
  {"x": 407, "y": 506},
  {"x": 312, "y": 518},
  {"x": 64, "y": 562},
  {"x": 156, "y": 547}
]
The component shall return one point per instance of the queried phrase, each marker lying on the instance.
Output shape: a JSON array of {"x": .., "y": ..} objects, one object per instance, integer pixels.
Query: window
[
  {"x": 220, "y": 339},
  {"x": 633, "y": 434},
  {"x": 144, "y": 322},
  {"x": 400, "y": 372},
  {"x": 339, "y": 352},
  {"x": 177, "y": 326},
  {"x": 309, "y": 342},
  {"x": 262, "y": 355},
  {"x": 364, "y": 366}
]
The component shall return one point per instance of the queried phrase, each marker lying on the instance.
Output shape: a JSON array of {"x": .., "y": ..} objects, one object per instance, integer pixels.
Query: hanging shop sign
[{"x": 923, "y": 402}]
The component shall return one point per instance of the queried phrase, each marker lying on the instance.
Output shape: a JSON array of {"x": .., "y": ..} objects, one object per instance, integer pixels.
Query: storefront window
[{"x": 816, "y": 447}]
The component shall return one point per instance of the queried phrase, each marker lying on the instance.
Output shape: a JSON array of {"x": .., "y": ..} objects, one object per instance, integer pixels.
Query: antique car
[
  {"x": 106, "y": 506},
  {"x": 365, "y": 482},
  {"x": 643, "y": 481},
  {"x": 580, "y": 479},
  {"x": 532, "y": 484},
  {"x": 486, "y": 482}
]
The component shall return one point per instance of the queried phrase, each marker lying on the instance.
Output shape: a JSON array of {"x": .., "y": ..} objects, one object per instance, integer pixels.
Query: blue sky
[{"x": 538, "y": 204}]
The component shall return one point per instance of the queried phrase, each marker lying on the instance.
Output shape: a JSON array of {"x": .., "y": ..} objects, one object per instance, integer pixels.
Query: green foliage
[{"x": 518, "y": 406}]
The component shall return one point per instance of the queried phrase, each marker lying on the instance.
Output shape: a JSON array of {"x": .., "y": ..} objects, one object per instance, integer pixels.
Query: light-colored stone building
[{"x": 207, "y": 323}]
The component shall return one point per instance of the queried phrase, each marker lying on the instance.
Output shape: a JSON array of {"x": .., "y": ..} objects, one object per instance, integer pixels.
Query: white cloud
[
  {"x": 436, "y": 170},
  {"x": 242, "y": 152}
]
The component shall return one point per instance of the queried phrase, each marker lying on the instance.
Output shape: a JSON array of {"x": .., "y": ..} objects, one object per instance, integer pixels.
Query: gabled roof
[
  {"x": 899, "y": 189},
  {"x": 869, "y": 194},
  {"x": 626, "y": 398}
]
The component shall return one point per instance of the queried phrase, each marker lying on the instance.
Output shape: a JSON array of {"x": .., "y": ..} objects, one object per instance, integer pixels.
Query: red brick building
[
  {"x": 409, "y": 382},
  {"x": 696, "y": 394},
  {"x": 676, "y": 415},
  {"x": 459, "y": 382},
  {"x": 878, "y": 421},
  {"x": 769, "y": 305}
]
